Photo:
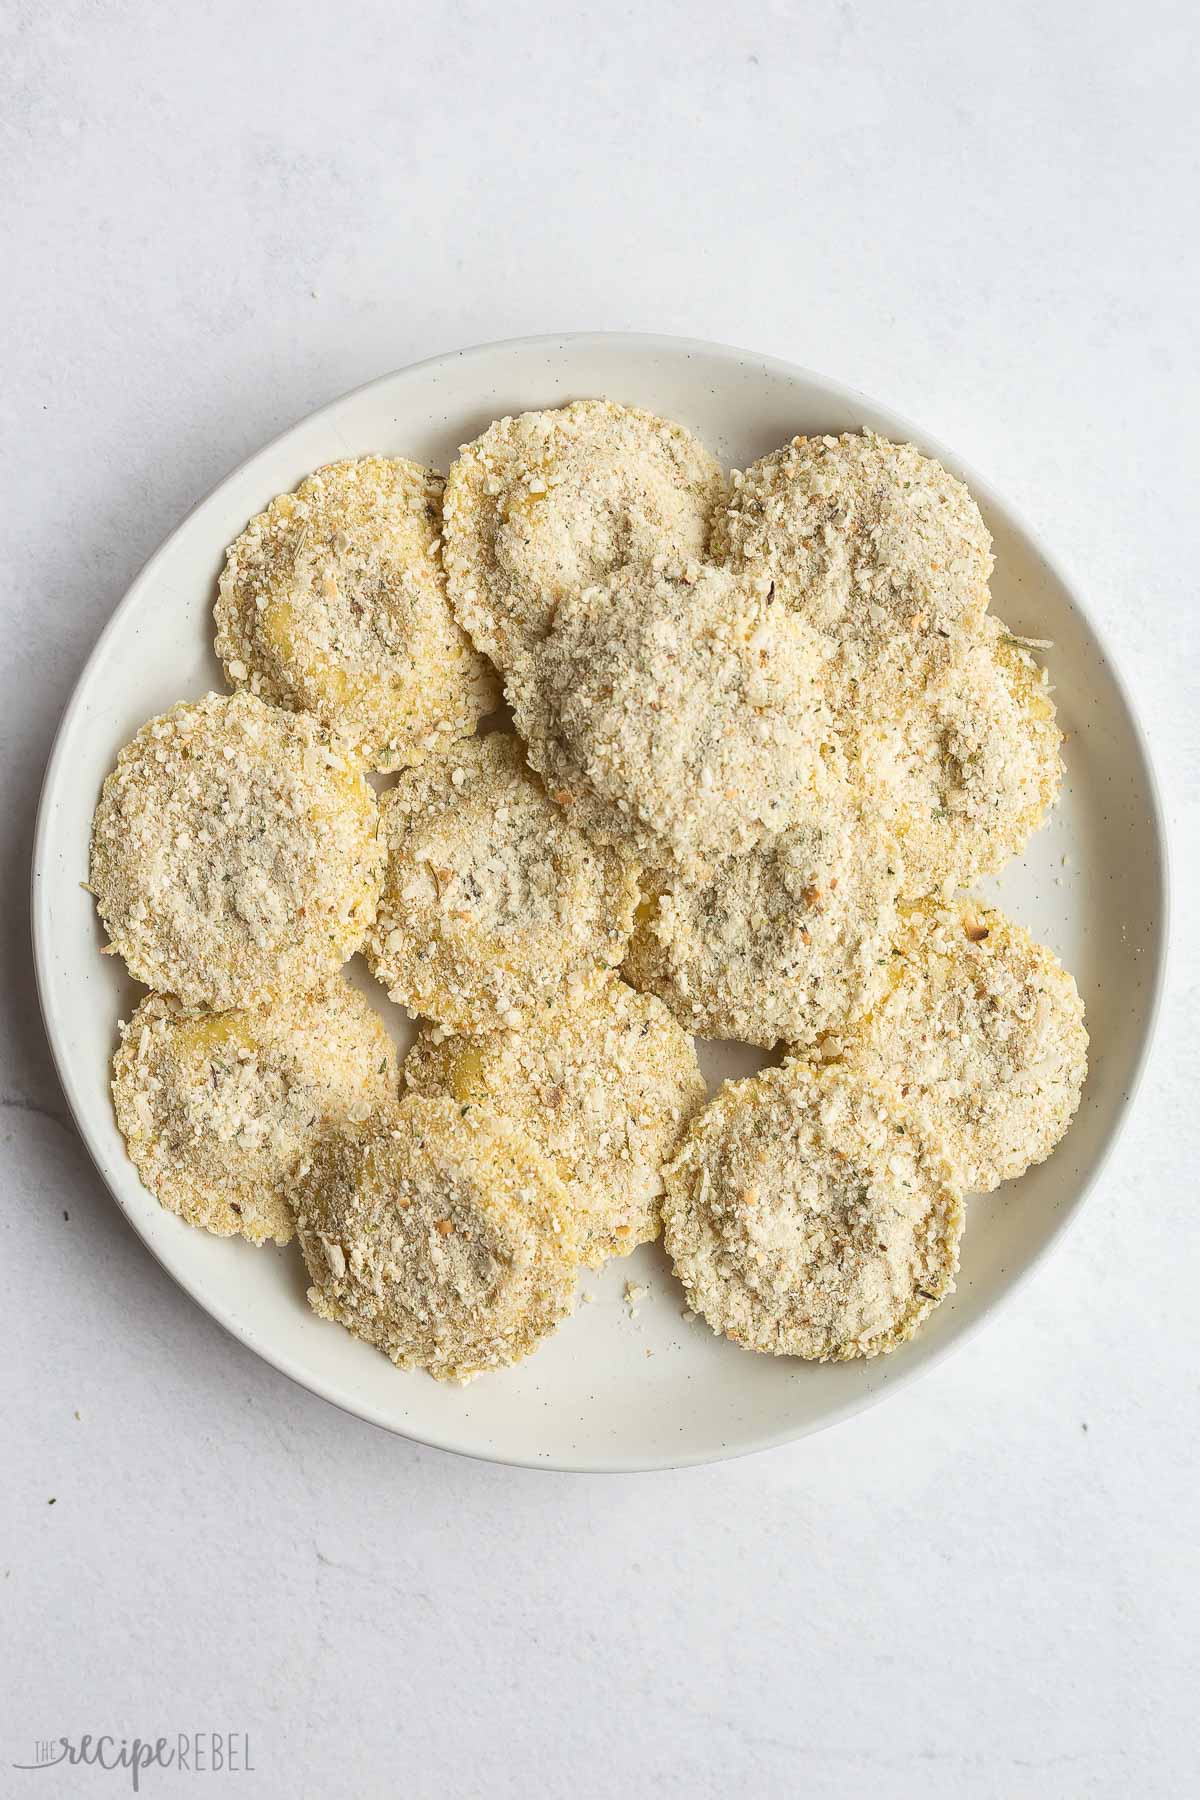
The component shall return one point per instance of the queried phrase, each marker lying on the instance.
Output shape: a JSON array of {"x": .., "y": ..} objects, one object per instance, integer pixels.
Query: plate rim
[{"x": 56, "y": 768}]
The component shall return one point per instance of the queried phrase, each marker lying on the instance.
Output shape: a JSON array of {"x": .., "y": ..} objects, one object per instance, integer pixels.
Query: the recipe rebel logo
[{"x": 190, "y": 1752}]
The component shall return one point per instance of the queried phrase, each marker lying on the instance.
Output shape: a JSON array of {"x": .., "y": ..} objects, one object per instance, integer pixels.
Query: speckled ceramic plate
[{"x": 611, "y": 1391}]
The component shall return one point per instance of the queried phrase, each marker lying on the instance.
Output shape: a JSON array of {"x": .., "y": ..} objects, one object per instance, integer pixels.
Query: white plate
[{"x": 611, "y": 1390}]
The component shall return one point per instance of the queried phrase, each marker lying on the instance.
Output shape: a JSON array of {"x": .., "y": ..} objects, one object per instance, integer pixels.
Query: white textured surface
[{"x": 987, "y": 220}]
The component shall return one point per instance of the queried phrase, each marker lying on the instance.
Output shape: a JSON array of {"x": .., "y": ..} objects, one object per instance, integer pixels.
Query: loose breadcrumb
[
  {"x": 980, "y": 1039},
  {"x": 603, "y": 1082},
  {"x": 805, "y": 1219},
  {"x": 549, "y": 503},
  {"x": 788, "y": 942},
  {"x": 234, "y": 853},
  {"x": 333, "y": 601},
  {"x": 635, "y": 1293},
  {"x": 674, "y": 709},
  {"x": 221, "y": 1112},
  {"x": 439, "y": 1235},
  {"x": 492, "y": 896}
]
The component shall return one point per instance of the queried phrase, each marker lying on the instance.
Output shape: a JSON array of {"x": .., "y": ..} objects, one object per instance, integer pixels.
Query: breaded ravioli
[
  {"x": 875, "y": 545},
  {"x": 675, "y": 710},
  {"x": 235, "y": 857},
  {"x": 492, "y": 895},
  {"x": 805, "y": 1219},
  {"x": 439, "y": 1235},
  {"x": 552, "y": 502},
  {"x": 602, "y": 1081},
  {"x": 769, "y": 734},
  {"x": 789, "y": 942},
  {"x": 333, "y": 601},
  {"x": 959, "y": 757},
  {"x": 980, "y": 1040},
  {"x": 221, "y": 1112}
]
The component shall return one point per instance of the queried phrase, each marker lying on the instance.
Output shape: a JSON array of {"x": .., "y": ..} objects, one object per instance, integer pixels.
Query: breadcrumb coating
[
  {"x": 980, "y": 1039},
  {"x": 674, "y": 710},
  {"x": 789, "y": 942},
  {"x": 221, "y": 1112},
  {"x": 439, "y": 1235},
  {"x": 235, "y": 857},
  {"x": 333, "y": 601},
  {"x": 805, "y": 1218},
  {"x": 549, "y": 503},
  {"x": 871, "y": 542},
  {"x": 492, "y": 895},
  {"x": 779, "y": 708},
  {"x": 959, "y": 756},
  {"x": 602, "y": 1081}
]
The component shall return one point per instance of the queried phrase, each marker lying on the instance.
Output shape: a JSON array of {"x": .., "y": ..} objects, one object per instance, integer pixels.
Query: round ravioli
[
  {"x": 235, "y": 856},
  {"x": 602, "y": 1081},
  {"x": 675, "y": 710},
  {"x": 333, "y": 601},
  {"x": 980, "y": 1039},
  {"x": 221, "y": 1112},
  {"x": 875, "y": 545},
  {"x": 551, "y": 502},
  {"x": 805, "y": 1219},
  {"x": 492, "y": 895},
  {"x": 789, "y": 942},
  {"x": 960, "y": 758},
  {"x": 440, "y": 1236}
]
